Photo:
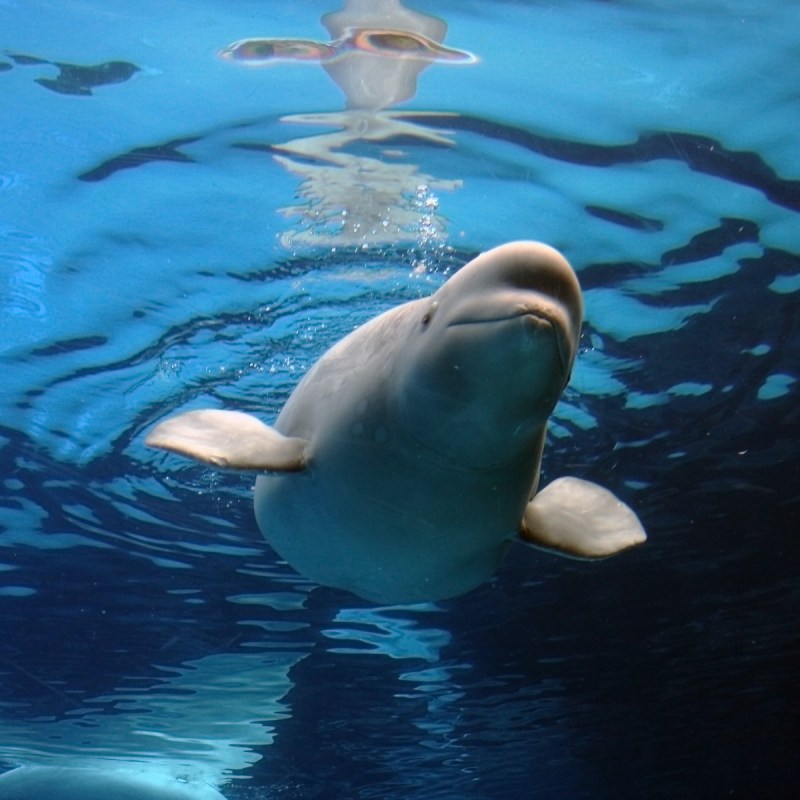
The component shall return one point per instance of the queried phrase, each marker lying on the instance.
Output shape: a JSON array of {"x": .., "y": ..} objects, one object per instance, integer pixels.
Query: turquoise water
[{"x": 178, "y": 230}]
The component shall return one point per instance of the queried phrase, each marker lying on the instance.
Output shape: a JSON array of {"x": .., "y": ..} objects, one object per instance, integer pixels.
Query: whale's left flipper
[
  {"x": 230, "y": 440},
  {"x": 581, "y": 519}
]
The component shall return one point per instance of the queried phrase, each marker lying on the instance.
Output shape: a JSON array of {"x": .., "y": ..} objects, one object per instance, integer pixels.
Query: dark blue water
[{"x": 170, "y": 240}]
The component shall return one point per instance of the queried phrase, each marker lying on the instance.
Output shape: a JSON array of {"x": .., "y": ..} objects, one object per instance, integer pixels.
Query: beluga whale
[{"x": 406, "y": 462}]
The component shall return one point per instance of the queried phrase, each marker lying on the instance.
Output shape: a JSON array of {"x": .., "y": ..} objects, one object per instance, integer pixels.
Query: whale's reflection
[
  {"x": 201, "y": 721},
  {"x": 191, "y": 729},
  {"x": 356, "y": 186}
]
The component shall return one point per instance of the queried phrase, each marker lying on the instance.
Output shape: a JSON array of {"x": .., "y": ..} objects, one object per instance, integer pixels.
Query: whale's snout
[{"x": 518, "y": 279}]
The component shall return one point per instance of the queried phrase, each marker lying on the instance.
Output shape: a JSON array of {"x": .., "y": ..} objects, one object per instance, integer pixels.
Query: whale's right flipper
[{"x": 230, "y": 440}]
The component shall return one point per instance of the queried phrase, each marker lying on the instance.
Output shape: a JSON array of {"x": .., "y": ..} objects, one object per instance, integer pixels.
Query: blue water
[{"x": 178, "y": 231}]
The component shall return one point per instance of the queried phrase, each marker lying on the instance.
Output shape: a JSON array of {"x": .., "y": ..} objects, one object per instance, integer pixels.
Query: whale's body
[{"x": 406, "y": 461}]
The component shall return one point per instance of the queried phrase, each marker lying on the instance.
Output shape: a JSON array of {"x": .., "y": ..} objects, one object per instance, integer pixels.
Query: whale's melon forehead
[{"x": 520, "y": 266}]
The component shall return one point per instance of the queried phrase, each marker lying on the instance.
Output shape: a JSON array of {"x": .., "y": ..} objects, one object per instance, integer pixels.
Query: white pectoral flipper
[
  {"x": 580, "y": 519},
  {"x": 230, "y": 440}
]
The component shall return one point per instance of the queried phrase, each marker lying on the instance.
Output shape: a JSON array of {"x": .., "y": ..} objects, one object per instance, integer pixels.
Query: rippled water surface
[{"x": 180, "y": 230}]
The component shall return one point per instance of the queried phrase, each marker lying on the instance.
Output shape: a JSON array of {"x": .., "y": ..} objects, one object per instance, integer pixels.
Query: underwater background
[{"x": 181, "y": 228}]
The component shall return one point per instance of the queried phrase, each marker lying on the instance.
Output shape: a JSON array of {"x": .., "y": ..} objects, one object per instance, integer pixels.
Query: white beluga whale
[
  {"x": 406, "y": 462},
  {"x": 78, "y": 783}
]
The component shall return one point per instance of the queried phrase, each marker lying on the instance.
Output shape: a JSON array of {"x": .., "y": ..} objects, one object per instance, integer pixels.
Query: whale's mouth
[
  {"x": 532, "y": 313},
  {"x": 538, "y": 319}
]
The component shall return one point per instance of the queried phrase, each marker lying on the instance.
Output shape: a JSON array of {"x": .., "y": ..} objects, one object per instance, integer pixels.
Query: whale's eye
[{"x": 428, "y": 315}]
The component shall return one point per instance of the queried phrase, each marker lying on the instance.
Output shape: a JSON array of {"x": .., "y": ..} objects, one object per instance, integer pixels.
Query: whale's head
[{"x": 491, "y": 353}]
